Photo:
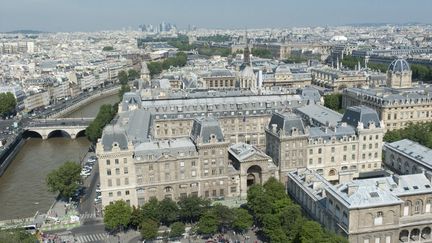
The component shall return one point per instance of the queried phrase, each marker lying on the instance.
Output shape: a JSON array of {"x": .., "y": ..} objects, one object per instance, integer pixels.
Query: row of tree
[
  {"x": 280, "y": 219},
  {"x": 105, "y": 115},
  {"x": 208, "y": 219},
  {"x": 262, "y": 53},
  {"x": 17, "y": 236},
  {"x": 418, "y": 132},
  {"x": 7, "y": 104},
  {"x": 179, "y": 60}
]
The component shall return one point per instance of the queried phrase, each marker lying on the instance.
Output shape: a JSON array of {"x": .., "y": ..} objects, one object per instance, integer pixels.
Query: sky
[{"x": 95, "y": 15}]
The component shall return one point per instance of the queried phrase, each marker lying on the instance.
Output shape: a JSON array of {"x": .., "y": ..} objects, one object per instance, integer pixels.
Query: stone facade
[{"x": 388, "y": 209}]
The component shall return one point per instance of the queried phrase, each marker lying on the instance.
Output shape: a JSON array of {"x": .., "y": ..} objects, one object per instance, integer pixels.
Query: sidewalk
[{"x": 61, "y": 216}]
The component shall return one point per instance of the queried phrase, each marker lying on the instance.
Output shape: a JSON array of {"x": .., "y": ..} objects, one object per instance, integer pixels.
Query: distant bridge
[{"x": 64, "y": 127}]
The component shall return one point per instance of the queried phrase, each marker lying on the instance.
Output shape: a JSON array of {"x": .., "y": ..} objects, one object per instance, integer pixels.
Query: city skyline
[{"x": 70, "y": 16}]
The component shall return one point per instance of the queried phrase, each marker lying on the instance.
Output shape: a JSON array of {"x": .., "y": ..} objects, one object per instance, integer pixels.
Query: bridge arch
[
  {"x": 81, "y": 133},
  {"x": 59, "y": 133},
  {"x": 31, "y": 134}
]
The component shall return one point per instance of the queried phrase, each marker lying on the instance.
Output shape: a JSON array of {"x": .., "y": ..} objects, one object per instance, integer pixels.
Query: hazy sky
[{"x": 91, "y": 15}]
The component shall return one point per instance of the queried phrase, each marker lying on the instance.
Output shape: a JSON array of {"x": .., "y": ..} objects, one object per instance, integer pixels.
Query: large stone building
[
  {"x": 388, "y": 209},
  {"x": 134, "y": 167},
  {"x": 285, "y": 77},
  {"x": 339, "y": 148},
  {"x": 336, "y": 79},
  {"x": 398, "y": 104}
]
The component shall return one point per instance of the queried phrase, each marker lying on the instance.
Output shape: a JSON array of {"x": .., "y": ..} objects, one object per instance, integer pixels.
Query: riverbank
[
  {"x": 82, "y": 103},
  {"x": 9, "y": 151}
]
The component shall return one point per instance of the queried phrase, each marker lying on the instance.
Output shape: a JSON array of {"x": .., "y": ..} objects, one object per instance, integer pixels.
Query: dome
[{"x": 399, "y": 65}]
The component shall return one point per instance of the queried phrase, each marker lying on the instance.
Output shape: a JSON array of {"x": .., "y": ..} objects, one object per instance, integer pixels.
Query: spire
[{"x": 246, "y": 52}]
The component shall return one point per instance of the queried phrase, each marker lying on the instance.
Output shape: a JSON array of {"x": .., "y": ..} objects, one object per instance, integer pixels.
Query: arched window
[
  {"x": 332, "y": 172},
  {"x": 379, "y": 218},
  {"x": 418, "y": 207}
]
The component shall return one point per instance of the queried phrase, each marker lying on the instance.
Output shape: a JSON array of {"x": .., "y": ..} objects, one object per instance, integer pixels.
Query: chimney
[
  {"x": 352, "y": 188},
  {"x": 380, "y": 184}
]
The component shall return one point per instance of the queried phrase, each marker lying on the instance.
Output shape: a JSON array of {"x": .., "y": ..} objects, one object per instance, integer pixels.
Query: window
[
  {"x": 125, "y": 170},
  {"x": 418, "y": 207},
  {"x": 108, "y": 171},
  {"x": 116, "y": 161},
  {"x": 127, "y": 192},
  {"x": 182, "y": 164},
  {"x": 110, "y": 194},
  {"x": 221, "y": 192},
  {"x": 344, "y": 158},
  {"x": 119, "y": 193},
  {"x": 117, "y": 170},
  {"x": 428, "y": 206},
  {"x": 193, "y": 173},
  {"x": 310, "y": 151},
  {"x": 345, "y": 148},
  {"x": 126, "y": 181},
  {"x": 150, "y": 167},
  {"x": 376, "y": 145},
  {"x": 333, "y": 149},
  {"x": 353, "y": 147},
  {"x": 353, "y": 156},
  {"x": 108, "y": 162},
  {"x": 378, "y": 218},
  {"x": 124, "y": 161},
  {"x": 332, "y": 159},
  {"x": 109, "y": 182},
  {"x": 310, "y": 161},
  {"x": 406, "y": 208},
  {"x": 364, "y": 146},
  {"x": 214, "y": 193},
  {"x": 233, "y": 189},
  {"x": 118, "y": 182},
  {"x": 319, "y": 150},
  {"x": 193, "y": 163},
  {"x": 166, "y": 166},
  {"x": 319, "y": 160}
]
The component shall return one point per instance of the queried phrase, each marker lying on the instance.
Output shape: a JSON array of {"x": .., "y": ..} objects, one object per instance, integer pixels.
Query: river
[
  {"x": 92, "y": 109},
  {"x": 23, "y": 189}
]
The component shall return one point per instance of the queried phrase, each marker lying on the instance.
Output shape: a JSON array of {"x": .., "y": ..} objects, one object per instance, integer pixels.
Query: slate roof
[
  {"x": 206, "y": 127},
  {"x": 114, "y": 134},
  {"x": 355, "y": 114},
  {"x": 287, "y": 122},
  {"x": 412, "y": 150}
]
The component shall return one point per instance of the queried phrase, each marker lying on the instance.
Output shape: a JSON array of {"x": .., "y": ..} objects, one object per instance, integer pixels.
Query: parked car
[
  {"x": 85, "y": 173},
  {"x": 92, "y": 159},
  {"x": 98, "y": 200}
]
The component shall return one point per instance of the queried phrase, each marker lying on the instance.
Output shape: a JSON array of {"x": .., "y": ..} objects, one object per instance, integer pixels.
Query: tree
[
  {"x": 291, "y": 220},
  {"x": 17, "y": 236},
  {"x": 208, "y": 224},
  {"x": 150, "y": 209},
  {"x": 136, "y": 217},
  {"x": 275, "y": 189},
  {"x": 258, "y": 201},
  {"x": 154, "y": 68},
  {"x": 263, "y": 53},
  {"x": 7, "y": 103},
  {"x": 123, "y": 77},
  {"x": 124, "y": 89},
  {"x": 149, "y": 229},
  {"x": 64, "y": 180},
  {"x": 133, "y": 74},
  {"x": 272, "y": 228},
  {"x": 223, "y": 215},
  {"x": 117, "y": 215},
  {"x": 191, "y": 208},
  {"x": 333, "y": 101},
  {"x": 177, "y": 229},
  {"x": 105, "y": 115},
  {"x": 242, "y": 220},
  {"x": 167, "y": 211}
]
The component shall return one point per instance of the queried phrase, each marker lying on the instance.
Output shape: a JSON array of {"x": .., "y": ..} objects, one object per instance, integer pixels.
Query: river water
[
  {"x": 23, "y": 189},
  {"x": 92, "y": 109}
]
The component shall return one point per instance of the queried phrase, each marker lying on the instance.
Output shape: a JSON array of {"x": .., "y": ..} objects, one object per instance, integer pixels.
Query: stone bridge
[{"x": 65, "y": 127}]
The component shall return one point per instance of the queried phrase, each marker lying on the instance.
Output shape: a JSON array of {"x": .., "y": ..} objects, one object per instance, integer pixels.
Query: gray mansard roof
[
  {"x": 173, "y": 147},
  {"x": 138, "y": 124},
  {"x": 114, "y": 135},
  {"x": 130, "y": 98},
  {"x": 413, "y": 150},
  {"x": 319, "y": 115},
  {"x": 355, "y": 114},
  {"x": 206, "y": 128},
  {"x": 243, "y": 151},
  {"x": 288, "y": 122}
]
